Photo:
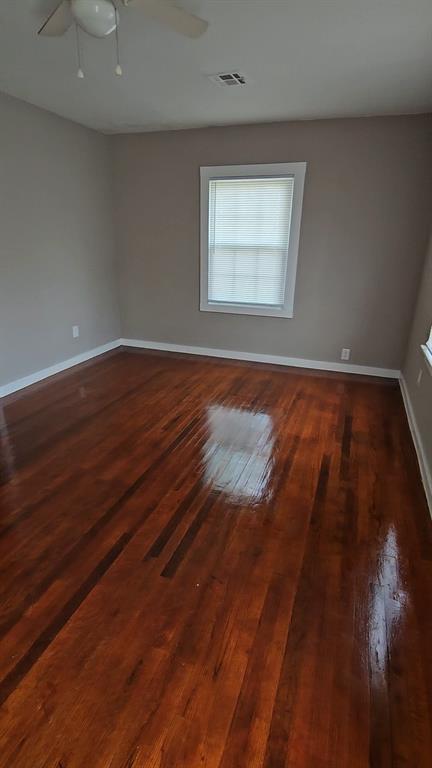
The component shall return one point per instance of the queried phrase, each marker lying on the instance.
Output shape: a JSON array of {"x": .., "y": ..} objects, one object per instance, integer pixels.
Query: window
[
  {"x": 250, "y": 228},
  {"x": 427, "y": 351}
]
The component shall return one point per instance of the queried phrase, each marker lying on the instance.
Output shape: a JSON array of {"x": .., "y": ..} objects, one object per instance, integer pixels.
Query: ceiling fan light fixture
[
  {"x": 100, "y": 17},
  {"x": 96, "y": 17}
]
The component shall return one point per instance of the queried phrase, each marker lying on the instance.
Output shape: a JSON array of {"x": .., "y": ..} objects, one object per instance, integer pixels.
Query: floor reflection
[
  {"x": 238, "y": 453},
  {"x": 387, "y": 610},
  {"x": 7, "y": 463}
]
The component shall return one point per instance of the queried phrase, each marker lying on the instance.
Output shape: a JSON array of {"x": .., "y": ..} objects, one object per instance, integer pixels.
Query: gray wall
[
  {"x": 364, "y": 232},
  {"x": 56, "y": 245},
  {"x": 363, "y": 238},
  {"x": 421, "y": 395}
]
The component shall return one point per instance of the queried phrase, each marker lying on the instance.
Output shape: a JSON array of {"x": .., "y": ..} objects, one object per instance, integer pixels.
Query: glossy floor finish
[{"x": 206, "y": 563}]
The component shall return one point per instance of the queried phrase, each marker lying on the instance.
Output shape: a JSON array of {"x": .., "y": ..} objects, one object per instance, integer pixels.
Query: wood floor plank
[{"x": 210, "y": 563}]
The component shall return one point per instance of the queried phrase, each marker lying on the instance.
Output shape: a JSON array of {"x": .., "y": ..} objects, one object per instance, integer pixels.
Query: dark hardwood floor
[{"x": 206, "y": 563}]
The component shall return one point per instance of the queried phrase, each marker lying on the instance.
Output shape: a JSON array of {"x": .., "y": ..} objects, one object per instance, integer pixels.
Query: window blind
[{"x": 249, "y": 228}]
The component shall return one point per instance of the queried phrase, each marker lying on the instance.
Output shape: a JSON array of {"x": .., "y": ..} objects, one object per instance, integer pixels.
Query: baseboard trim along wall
[
  {"x": 296, "y": 362},
  {"x": 45, "y": 373},
  {"x": 254, "y": 357},
  {"x": 425, "y": 470}
]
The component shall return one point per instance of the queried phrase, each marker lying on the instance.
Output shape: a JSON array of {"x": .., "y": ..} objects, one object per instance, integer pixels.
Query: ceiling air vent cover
[{"x": 228, "y": 78}]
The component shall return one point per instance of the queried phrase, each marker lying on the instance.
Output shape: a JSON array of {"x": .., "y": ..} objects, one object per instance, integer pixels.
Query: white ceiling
[{"x": 304, "y": 59}]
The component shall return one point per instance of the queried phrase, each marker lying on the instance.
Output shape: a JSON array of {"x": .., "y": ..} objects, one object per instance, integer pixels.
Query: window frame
[
  {"x": 427, "y": 351},
  {"x": 267, "y": 170}
]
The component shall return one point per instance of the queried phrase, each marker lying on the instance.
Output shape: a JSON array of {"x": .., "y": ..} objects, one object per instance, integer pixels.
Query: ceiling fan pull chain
[
  {"x": 118, "y": 69},
  {"x": 80, "y": 71}
]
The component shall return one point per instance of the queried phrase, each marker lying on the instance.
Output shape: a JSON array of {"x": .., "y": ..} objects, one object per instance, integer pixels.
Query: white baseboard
[
  {"x": 425, "y": 470},
  {"x": 33, "y": 378},
  {"x": 254, "y": 357},
  {"x": 297, "y": 362}
]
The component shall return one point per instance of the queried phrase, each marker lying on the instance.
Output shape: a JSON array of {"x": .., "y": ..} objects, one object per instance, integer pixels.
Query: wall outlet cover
[
  {"x": 75, "y": 331},
  {"x": 345, "y": 354}
]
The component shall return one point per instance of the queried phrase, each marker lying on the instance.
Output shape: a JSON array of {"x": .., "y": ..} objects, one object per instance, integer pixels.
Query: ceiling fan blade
[
  {"x": 58, "y": 22},
  {"x": 174, "y": 17}
]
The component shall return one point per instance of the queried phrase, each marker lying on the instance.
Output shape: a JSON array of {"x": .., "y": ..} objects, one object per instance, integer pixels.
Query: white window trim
[
  {"x": 427, "y": 351},
  {"x": 272, "y": 170}
]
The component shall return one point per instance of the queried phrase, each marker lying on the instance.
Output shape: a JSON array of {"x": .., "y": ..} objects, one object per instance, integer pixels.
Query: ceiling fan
[{"x": 100, "y": 17}]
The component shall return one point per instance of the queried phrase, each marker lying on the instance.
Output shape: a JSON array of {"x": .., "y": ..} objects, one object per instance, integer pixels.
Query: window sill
[
  {"x": 233, "y": 309},
  {"x": 428, "y": 356}
]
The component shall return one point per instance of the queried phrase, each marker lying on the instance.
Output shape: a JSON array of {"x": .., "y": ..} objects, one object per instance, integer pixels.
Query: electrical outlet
[
  {"x": 345, "y": 354},
  {"x": 419, "y": 377},
  {"x": 75, "y": 331}
]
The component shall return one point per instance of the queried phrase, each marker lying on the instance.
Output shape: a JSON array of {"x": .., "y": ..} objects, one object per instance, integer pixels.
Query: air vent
[{"x": 228, "y": 78}]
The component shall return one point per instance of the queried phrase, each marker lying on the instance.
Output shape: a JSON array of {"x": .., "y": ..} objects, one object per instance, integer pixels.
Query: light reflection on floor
[
  {"x": 238, "y": 453},
  {"x": 387, "y": 611},
  {"x": 7, "y": 457}
]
